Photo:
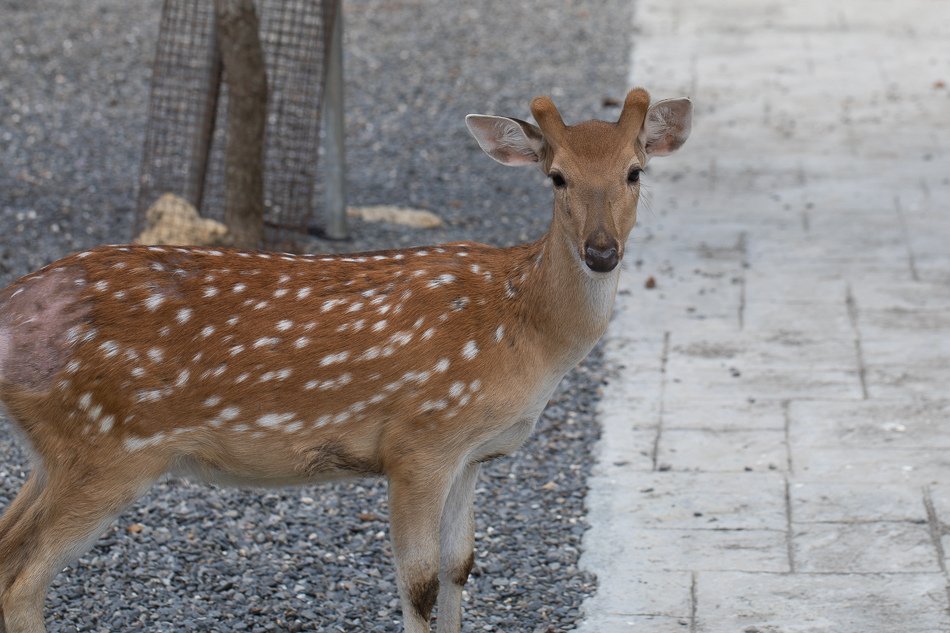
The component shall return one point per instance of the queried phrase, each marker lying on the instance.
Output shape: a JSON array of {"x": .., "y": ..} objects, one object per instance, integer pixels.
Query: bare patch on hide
[{"x": 35, "y": 316}]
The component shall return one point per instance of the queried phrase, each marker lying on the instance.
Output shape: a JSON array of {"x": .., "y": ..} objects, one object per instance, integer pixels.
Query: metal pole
[{"x": 334, "y": 198}]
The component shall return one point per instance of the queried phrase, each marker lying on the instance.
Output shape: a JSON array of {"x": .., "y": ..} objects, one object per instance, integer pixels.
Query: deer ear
[
  {"x": 666, "y": 126},
  {"x": 511, "y": 142}
]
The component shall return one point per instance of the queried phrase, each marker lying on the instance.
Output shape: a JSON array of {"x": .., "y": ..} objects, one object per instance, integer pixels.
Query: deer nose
[{"x": 601, "y": 259}]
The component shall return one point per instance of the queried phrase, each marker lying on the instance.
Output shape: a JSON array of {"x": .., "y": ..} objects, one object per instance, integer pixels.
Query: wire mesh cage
[{"x": 187, "y": 131}]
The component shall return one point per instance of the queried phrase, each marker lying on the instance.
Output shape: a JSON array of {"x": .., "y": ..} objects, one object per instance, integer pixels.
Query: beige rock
[
  {"x": 416, "y": 218},
  {"x": 173, "y": 220}
]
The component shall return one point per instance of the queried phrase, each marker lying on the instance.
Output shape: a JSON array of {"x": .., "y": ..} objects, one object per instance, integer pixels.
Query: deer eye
[
  {"x": 558, "y": 180},
  {"x": 633, "y": 176}
]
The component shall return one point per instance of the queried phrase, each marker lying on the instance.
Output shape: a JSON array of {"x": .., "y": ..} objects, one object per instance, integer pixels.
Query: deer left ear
[
  {"x": 666, "y": 126},
  {"x": 511, "y": 142}
]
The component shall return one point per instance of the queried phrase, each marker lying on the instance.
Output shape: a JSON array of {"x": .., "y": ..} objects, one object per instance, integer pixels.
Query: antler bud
[
  {"x": 635, "y": 108},
  {"x": 548, "y": 118}
]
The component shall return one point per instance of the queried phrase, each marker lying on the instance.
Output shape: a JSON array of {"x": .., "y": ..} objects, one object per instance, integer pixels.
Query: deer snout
[{"x": 601, "y": 257}]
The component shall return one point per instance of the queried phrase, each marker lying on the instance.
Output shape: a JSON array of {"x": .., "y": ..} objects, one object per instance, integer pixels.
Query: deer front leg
[
  {"x": 416, "y": 499},
  {"x": 457, "y": 539}
]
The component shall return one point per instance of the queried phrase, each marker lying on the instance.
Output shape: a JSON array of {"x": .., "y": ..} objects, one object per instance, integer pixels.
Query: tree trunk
[{"x": 244, "y": 74}]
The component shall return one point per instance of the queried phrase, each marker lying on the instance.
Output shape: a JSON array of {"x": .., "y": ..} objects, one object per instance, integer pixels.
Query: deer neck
[{"x": 568, "y": 305}]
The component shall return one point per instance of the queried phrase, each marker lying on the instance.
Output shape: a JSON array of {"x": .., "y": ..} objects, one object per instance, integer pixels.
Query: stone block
[
  {"x": 722, "y": 451},
  {"x": 864, "y": 547},
  {"x": 730, "y": 602}
]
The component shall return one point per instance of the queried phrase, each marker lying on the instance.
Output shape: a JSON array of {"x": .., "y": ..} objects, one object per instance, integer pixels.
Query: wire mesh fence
[{"x": 187, "y": 133}]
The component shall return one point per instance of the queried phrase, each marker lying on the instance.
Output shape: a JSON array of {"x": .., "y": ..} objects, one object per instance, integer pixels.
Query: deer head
[{"x": 595, "y": 166}]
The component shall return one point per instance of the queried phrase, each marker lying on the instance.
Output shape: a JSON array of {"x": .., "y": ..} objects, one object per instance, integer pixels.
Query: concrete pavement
[{"x": 776, "y": 447}]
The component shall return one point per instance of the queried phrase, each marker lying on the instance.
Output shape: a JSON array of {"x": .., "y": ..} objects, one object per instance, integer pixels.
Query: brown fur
[
  {"x": 423, "y": 596},
  {"x": 461, "y": 574}
]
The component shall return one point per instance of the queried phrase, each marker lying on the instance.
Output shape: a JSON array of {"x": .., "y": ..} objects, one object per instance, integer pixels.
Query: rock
[
  {"x": 416, "y": 218},
  {"x": 172, "y": 220}
]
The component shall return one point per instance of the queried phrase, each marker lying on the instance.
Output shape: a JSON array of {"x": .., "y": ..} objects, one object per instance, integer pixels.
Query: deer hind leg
[
  {"x": 65, "y": 518},
  {"x": 416, "y": 499},
  {"x": 457, "y": 541},
  {"x": 14, "y": 529}
]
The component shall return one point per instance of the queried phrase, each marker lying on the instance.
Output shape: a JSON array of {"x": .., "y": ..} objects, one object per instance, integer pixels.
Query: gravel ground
[{"x": 73, "y": 91}]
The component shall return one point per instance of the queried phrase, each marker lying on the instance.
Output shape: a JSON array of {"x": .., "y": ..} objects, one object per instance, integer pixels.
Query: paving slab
[
  {"x": 883, "y": 546},
  {"x": 821, "y": 603},
  {"x": 666, "y": 549},
  {"x": 856, "y": 502},
  {"x": 715, "y": 451}
]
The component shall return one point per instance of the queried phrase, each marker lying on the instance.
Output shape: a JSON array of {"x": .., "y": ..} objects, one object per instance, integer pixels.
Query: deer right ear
[{"x": 509, "y": 141}]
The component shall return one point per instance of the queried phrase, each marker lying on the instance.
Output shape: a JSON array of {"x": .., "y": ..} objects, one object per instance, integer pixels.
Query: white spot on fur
[
  {"x": 499, "y": 333},
  {"x": 136, "y": 443},
  {"x": 330, "y": 359},
  {"x": 209, "y": 291},
  {"x": 149, "y": 395},
  {"x": 73, "y": 366},
  {"x": 106, "y": 423},
  {"x": 401, "y": 338},
  {"x": 433, "y": 405},
  {"x": 470, "y": 350},
  {"x": 371, "y": 353},
  {"x": 101, "y": 285},
  {"x": 184, "y": 315},
  {"x": 207, "y": 331},
  {"x": 266, "y": 341},
  {"x": 153, "y": 302},
  {"x": 428, "y": 334},
  {"x": 156, "y": 354},
  {"x": 239, "y": 287},
  {"x": 237, "y": 349},
  {"x": 280, "y": 292},
  {"x": 379, "y": 325},
  {"x": 284, "y": 325},
  {"x": 441, "y": 280},
  {"x": 109, "y": 348},
  {"x": 212, "y": 401},
  {"x": 303, "y": 293},
  {"x": 229, "y": 413},
  {"x": 456, "y": 389},
  {"x": 271, "y": 420},
  {"x": 182, "y": 379}
]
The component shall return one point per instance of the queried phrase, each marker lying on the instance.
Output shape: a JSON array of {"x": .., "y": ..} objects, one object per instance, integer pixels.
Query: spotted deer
[{"x": 124, "y": 363}]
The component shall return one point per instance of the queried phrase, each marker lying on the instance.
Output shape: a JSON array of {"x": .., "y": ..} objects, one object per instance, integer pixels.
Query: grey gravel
[{"x": 190, "y": 557}]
